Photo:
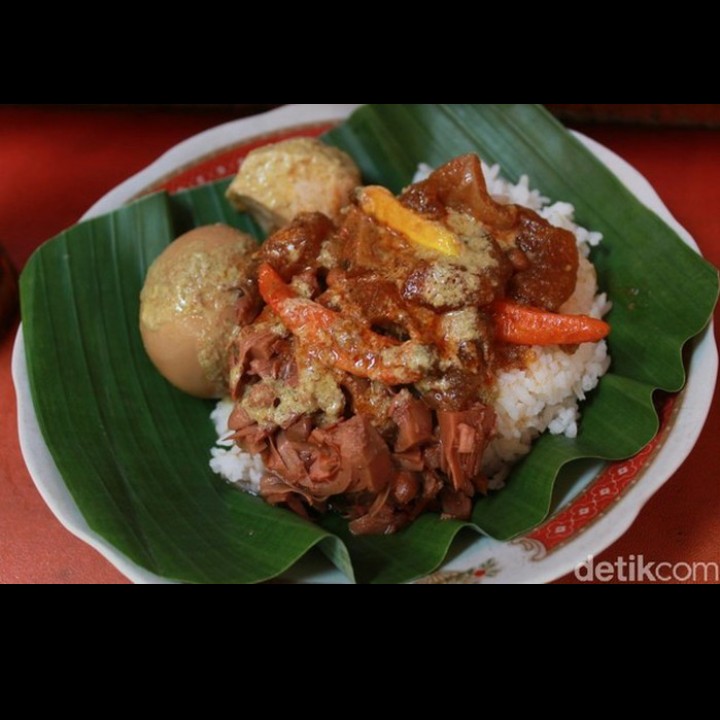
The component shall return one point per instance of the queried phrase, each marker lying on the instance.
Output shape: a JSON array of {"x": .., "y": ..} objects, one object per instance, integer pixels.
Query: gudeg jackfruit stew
[{"x": 379, "y": 356}]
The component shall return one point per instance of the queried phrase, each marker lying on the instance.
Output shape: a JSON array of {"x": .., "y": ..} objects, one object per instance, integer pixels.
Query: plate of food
[{"x": 381, "y": 343}]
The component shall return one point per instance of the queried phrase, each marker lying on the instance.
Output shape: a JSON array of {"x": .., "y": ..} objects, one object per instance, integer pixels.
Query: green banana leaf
[{"x": 134, "y": 452}]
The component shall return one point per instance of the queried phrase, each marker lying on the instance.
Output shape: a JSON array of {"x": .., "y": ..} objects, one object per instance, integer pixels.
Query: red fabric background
[{"x": 56, "y": 162}]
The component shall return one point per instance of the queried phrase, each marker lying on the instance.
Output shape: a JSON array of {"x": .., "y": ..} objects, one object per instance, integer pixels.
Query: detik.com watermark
[{"x": 636, "y": 569}]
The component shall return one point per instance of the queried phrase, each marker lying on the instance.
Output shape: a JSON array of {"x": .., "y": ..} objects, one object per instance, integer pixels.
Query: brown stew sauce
[{"x": 383, "y": 454}]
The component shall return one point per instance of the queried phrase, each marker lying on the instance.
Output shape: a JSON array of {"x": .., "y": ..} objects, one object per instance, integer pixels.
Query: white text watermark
[{"x": 637, "y": 569}]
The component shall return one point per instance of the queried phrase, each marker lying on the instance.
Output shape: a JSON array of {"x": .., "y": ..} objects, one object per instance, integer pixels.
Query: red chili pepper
[
  {"x": 522, "y": 325},
  {"x": 342, "y": 342}
]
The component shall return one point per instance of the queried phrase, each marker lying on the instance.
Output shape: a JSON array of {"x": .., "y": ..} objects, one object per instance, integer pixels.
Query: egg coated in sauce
[
  {"x": 278, "y": 182},
  {"x": 188, "y": 307}
]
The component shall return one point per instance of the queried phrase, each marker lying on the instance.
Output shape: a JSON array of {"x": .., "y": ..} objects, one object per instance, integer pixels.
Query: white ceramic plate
[{"x": 596, "y": 511}]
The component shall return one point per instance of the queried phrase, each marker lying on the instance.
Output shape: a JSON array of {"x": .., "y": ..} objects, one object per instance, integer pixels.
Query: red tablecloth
[{"x": 55, "y": 162}]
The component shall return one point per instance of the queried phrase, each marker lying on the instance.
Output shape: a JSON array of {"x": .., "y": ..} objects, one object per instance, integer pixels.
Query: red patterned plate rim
[{"x": 226, "y": 162}]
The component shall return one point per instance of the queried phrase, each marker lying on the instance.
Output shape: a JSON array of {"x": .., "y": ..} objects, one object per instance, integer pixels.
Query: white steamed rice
[{"x": 543, "y": 397}]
